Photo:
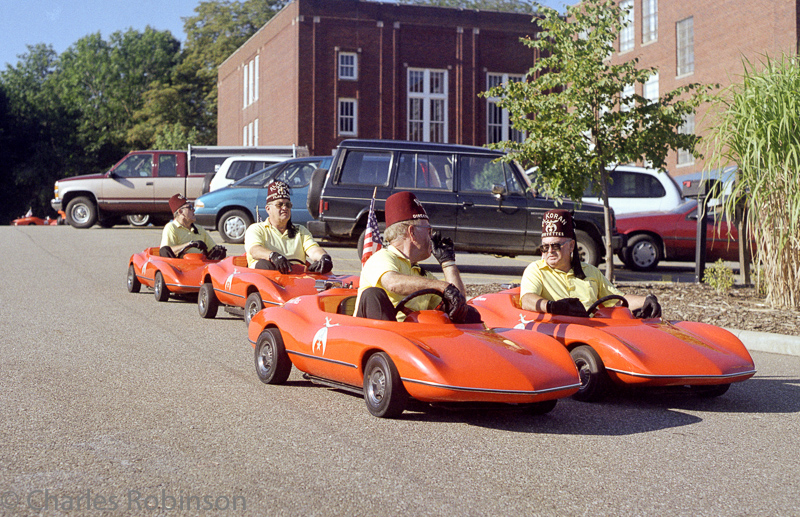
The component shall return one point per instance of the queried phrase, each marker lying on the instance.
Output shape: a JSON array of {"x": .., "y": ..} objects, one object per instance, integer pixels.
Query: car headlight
[
  {"x": 55, "y": 191},
  {"x": 199, "y": 204}
]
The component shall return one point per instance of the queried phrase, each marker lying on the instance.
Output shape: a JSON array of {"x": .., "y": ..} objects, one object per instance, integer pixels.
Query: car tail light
[{"x": 323, "y": 206}]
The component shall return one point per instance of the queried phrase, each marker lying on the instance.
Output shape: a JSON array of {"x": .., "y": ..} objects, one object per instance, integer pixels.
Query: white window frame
[
  {"x": 649, "y": 21},
  {"x": 244, "y": 135},
  {"x": 626, "y": 101},
  {"x": 344, "y": 118},
  {"x": 684, "y": 48},
  {"x": 255, "y": 132},
  {"x": 432, "y": 101},
  {"x": 348, "y": 71},
  {"x": 687, "y": 128},
  {"x": 255, "y": 89},
  {"x": 245, "y": 91},
  {"x": 627, "y": 35},
  {"x": 650, "y": 89},
  {"x": 506, "y": 130}
]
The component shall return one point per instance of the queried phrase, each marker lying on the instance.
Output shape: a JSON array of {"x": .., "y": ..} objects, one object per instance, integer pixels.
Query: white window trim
[
  {"x": 255, "y": 91},
  {"x": 684, "y": 157},
  {"x": 649, "y": 19},
  {"x": 245, "y": 94},
  {"x": 354, "y": 104},
  {"x": 652, "y": 81},
  {"x": 687, "y": 50},
  {"x": 505, "y": 124},
  {"x": 426, "y": 97},
  {"x": 354, "y": 77},
  {"x": 627, "y": 35}
]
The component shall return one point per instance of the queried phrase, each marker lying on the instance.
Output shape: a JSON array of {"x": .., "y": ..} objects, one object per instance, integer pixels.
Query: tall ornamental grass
[{"x": 759, "y": 131}]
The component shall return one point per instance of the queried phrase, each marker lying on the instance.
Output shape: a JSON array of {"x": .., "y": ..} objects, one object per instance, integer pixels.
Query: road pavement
[{"x": 115, "y": 402}]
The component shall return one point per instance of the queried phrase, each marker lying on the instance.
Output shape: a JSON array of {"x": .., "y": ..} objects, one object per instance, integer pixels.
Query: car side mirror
[{"x": 499, "y": 191}]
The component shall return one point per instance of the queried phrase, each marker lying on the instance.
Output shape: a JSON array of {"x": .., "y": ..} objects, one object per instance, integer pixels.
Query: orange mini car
[
  {"x": 247, "y": 291},
  {"x": 426, "y": 357},
  {"x": 614, "y": 347},
  {"x": 166, "y": 275}
]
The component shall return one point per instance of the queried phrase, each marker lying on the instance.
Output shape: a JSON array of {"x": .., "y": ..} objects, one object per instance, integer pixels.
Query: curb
[{"x": 767, "y": 342}]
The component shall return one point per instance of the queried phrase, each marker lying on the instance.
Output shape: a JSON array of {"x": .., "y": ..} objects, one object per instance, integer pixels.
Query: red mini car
[
  {"x": 656, "y": 236},
  {"x": 232, "y": 283},
  {"x": 426, "y": 357},
  {"x": 614, "y": 347},
  {"x": 28, "y": 220},
  {"x": 166, "y": 275}
]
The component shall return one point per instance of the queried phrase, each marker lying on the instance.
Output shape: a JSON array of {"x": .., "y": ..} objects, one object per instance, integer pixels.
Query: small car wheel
[
  {"x": 594, "y": 379},
  {"x": 642, "y": 253},
  {"x": 252, "y": 306},
  {"x": 207, "y": 303},
  {"x": 134, "y": 286},
  {"x": 714, "y": 390},
  {"x": 160, "y": 290},
  {"x": 384, "y": 393},
  {"x": 544, "y": 407},
  {"x": 273, "y": 365}
]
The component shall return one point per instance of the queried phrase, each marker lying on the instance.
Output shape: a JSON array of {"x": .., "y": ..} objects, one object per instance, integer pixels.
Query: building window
[
  {"x": 348, "y": 66},
  {"x": 626, "y": 35},
  {"x": 250, "y": 82},
  {"x": 245, "y": 71},
  {"x": 348, "y": 117},
  {"x": 626, "y": 101},
  {"x": 255, "y": 132},
  {"x": 650, "y": 90},
  {"x": 649, "y": 20},
  {"x": 685, "y": 47},
  {"x": 427, "y": 105},
  {"x": 684, "y": 156},
  {"x": 498, "y": 125}
]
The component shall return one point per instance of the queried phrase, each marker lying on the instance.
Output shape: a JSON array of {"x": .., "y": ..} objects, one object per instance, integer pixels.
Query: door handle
[
  {"x": 465, "y": 204},
  {"x": 149, "y": 184}
]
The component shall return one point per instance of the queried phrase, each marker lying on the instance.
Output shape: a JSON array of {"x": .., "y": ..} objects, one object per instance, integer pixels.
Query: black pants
[
  {"x": 264, "y": 264},
  {"x": 375, "y": 304}
]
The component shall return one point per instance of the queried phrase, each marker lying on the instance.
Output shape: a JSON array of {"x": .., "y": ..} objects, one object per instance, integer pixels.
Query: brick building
[
  {"x": 704, "y": 41},
  {"x": 321, "y": 71}
]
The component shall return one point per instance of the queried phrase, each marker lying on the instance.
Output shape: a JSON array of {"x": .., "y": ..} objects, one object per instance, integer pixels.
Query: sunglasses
[
  {"x": 281, "y": 206},
  {"x": 546, "y": 248},
  {"x": 188, "y": 206}
]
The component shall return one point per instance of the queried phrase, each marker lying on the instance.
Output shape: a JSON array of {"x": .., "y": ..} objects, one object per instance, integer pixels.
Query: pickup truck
[{"x": 140, "y": 184}]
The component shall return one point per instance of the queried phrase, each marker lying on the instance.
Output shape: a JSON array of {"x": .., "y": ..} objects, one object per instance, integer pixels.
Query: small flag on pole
[{"x": 372, "y": 236}]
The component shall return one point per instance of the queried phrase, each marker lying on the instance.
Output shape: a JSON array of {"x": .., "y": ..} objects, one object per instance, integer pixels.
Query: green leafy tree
[
  {"x": 570, "y": 108},
  {"x": 757, "y": 131}
]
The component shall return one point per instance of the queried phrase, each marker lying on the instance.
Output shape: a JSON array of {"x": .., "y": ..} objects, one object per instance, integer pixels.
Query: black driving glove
[
  {"x": 280, "y": 262},
  {"x": 455, "y": 304},
  {"x": 323, "y": 265},
  {"x": 650, "y": 309},
  {"x": 443, "y": 248},
  {"x": 199, "y": 245}
]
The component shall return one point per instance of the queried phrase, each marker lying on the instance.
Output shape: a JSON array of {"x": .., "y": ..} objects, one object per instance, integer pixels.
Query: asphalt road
[{"x": 128, "y": 406}]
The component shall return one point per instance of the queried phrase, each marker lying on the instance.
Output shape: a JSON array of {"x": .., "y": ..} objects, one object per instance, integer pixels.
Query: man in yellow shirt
[
  {"x": 392, "y": 272},
  {"x": 560, "y": 283},
  {"x": 180, "y": 234},
  {"x": 272, "y": 243}
]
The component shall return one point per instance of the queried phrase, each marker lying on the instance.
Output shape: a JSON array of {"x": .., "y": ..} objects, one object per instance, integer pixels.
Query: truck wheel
[
  {"x": 139, "y": 219},
  {"x": 232, "y": 226},
  {"x": 587, "y": 248},
  {"x": 81, "y": 212}
]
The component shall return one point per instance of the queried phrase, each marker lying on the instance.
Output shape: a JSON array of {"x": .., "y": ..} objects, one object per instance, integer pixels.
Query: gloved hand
[
  {"x": 198, "y": 244},
  {"x": 455, "y": 304},
  {"x": 567, "y": 307},
  {"x": 443, "y": 249},
  {"x": 217, "y": 253},
  {"x": 280, "y": 262},
  {"x": 323, "y": 265},
  {"x": 650, "y": 309}
]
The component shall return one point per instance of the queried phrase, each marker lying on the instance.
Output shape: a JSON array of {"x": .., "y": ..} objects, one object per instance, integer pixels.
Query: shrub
[{"x": 719, "y": 276}]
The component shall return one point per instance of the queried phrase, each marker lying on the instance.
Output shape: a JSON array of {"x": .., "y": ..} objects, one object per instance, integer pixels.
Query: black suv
[{"x": 484, "y": 205}]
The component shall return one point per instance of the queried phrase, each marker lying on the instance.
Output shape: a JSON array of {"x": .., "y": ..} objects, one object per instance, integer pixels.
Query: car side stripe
[{"x": 488, "y": 390}]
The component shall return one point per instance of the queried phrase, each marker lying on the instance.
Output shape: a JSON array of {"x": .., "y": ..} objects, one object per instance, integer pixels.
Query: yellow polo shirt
[
  {"x": 390, "y": 259},
  {"x": 554, "y": 284},
  {"x": 177, "y": 235},
  {"x": 268, "y": 236}
]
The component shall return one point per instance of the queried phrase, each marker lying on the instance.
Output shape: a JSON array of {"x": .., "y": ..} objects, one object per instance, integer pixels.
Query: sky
[{"x": 61, "y": 23}]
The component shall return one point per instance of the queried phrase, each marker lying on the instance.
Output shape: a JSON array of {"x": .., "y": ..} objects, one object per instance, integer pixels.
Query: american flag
[{"x": 372, "y": 237}]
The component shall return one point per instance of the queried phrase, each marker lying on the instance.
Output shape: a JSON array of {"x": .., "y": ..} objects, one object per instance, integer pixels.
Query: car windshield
[{"x": 259, "y": 178}]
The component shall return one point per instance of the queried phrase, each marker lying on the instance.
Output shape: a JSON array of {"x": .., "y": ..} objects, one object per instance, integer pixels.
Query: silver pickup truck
[{"x": 140, "y": 184}]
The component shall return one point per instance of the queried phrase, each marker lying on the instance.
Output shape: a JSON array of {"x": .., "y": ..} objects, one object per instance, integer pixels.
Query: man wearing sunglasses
[
  {"x": 393, "y": 272},
  {"x": 271, "y": 244},
  {"x": 560, "y": 283},
  {"x": 181, "y": 234}
]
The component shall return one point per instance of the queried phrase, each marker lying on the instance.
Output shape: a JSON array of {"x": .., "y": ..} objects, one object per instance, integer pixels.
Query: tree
[
  {"x": 757, "y": 131},
  {"x": 570, "y": 108}
]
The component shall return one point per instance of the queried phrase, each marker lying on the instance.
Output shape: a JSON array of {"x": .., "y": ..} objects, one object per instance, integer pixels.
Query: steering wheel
[
  {"x": 401, "y": 305},
  {"x": 298, "y": 261},
  {"x": 593, "y": 308},
  {"x": 186, "y": 250}
]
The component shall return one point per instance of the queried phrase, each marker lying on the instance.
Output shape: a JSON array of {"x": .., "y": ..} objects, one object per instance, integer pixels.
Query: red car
[
  {"x": 233, "y": 284},
  {"x": 166, "y": 275},
  {"x": 28, "y": 220},
  {"x": 656, "y": 236}
]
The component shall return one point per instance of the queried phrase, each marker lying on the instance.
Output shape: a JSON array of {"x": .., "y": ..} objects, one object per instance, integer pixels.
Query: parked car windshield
[{"x": 260, "y": 178}]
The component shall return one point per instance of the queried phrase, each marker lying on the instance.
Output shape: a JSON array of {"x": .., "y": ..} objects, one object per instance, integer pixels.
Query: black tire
[
  {"x": 252, "y": 305},
  {"x": 160, "y": 290},
  {"x": 643, "y": 253},
  {"x": 587, "y": 248},
  {"x": 384, "y": 393},
  {"x": 544, "y": 407},
  {"x": 273, "y": 365},
  {"x": 138, "y": 219},
  {"x": 315, "y": 191},
  {"x": 207, "y": 303},
  {"x": 233, "y": 224},
  {"x": 134, "y": 286},
  {"x": 81, "y": 212},
  {"x": 711, "y": 391},
  {"x": 360, "y": 243},
  {"x": 594, "y": 378}
]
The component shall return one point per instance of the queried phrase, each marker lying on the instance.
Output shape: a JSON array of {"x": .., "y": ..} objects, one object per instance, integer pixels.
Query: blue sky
[{"x": 61, "y": 23}]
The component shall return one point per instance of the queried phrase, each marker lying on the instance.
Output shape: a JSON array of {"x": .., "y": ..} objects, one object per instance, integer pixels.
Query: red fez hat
[
  {"x": 403, "y": 206},
  {"x": 558, "y": 223},
  {"x": 177, "y": 201},
  {"x": 278, "y": 190}
]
